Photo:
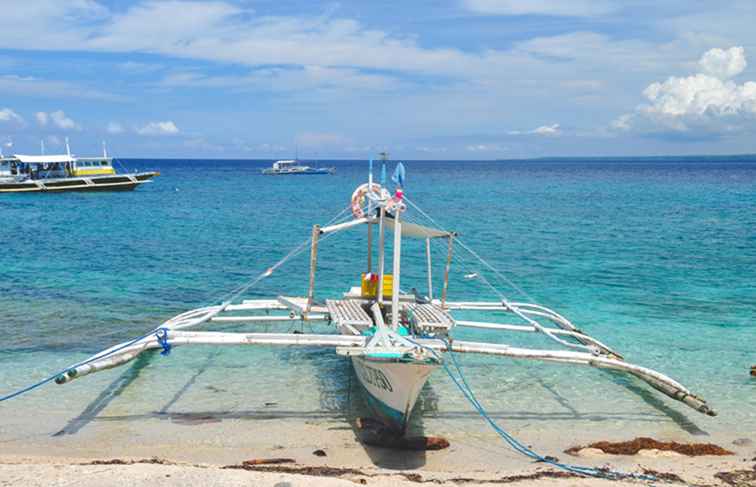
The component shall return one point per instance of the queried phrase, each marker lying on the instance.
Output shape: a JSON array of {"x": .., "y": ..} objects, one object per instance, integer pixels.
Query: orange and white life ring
[{"x": 360, "y": 195}]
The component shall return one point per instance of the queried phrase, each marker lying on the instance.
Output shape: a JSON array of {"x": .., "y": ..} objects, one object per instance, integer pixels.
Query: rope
[
  {"x": 474, "y": 254},
  {"x": 79, "y": 364},
  {"x": 516, "y": 445},
  {"x": 161, "y": 333},
  {"x": 503, "y": 298},
  {"x": 162, "y": 337}
]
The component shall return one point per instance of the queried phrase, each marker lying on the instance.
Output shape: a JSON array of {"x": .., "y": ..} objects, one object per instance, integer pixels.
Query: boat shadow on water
[{"x": 342, "y": 399}]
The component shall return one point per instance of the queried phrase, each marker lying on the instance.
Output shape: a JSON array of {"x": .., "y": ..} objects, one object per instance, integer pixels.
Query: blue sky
[{"x": 463, "y": 79}]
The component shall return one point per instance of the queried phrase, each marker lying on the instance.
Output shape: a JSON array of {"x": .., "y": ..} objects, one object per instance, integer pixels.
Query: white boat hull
[{"x": 392, "y": 387}]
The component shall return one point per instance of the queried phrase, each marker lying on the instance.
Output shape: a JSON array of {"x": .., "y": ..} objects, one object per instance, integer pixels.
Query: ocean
[{"x": 654, "y": 257}]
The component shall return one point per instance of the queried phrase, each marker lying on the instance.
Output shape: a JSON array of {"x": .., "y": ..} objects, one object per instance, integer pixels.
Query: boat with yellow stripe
[{"x": 54, "y": 173}]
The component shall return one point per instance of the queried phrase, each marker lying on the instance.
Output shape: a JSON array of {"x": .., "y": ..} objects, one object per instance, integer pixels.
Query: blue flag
[{"x": 398, "y": 176}]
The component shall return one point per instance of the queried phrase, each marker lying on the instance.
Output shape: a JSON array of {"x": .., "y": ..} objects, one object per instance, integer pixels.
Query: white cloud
[
  {"x": 552, "y": 129},
  {"x": 58, "y": 119},
  {"x": 571, "y": 8},
  {"x": 547, "y": 130},
  {"x": 723, "y": 64},
  {"x": 707, "y": 101},
  {"x": 31, "y": 86},
  {"x": 485, "y": 148},
  {"x": 159, "y": 128},
  {"x": 623, "y": 122},
  {"x": 114, "y": 128},
  {"x": 135, "y": 68},
  {"x": 8, "y": 115},
  {"x": 224, "y": 32},
  {"x": 42, "y": 118}
]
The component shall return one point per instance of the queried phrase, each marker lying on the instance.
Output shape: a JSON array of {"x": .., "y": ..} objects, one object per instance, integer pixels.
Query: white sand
[{"x": 46, "y": 471}]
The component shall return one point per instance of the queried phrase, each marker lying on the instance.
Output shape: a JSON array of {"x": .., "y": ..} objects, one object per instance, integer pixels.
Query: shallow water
[{"x": 655, "y": 258}]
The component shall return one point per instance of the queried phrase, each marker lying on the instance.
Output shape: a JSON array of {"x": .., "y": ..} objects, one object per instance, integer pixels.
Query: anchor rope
[{"x": 460, "y": 381}]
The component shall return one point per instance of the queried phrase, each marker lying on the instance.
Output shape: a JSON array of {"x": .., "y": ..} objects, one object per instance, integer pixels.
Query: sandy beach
[{"x": 669, "y": 468}]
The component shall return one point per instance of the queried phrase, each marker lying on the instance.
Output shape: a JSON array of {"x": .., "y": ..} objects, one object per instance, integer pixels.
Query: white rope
[
  {"x": 229, "y": 297},
  {"x": 498, "y": 273},
  {"x": 538, "y": 326}
]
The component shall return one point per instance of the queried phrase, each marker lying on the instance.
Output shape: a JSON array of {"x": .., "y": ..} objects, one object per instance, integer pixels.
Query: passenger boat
[
  {"x": 395, "y": 340},
  {"x": 292, "y": 167},
  {"x": 55, "y": 173}
]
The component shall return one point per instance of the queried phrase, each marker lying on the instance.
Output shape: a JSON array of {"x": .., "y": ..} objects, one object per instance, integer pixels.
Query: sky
[{"x": 461, "y": 79}]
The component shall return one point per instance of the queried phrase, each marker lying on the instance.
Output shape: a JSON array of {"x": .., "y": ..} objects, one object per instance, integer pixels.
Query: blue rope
[
  {"x": 85, "y": 362},
  {"x": 162, "y": 337},
  {"x": 466, "y": 390}
]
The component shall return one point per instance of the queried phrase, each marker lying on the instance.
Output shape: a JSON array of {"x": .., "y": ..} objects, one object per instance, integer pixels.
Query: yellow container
[{"x": 369, "y": 287}]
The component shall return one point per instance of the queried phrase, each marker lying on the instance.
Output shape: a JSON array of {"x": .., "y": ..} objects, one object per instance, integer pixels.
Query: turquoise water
[{"x": 657, "y": 258}]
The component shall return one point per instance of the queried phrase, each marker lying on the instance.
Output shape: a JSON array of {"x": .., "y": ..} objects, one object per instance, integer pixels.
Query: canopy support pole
[
  {"x": 313, "y": 265},
  {"x": 446, "y": 272},
  {"x": 397, "y": 270},
  {"x": 430, "y": 274},
  {"x": 381, "y": 254},
  {"x": 370, "y": 247}
]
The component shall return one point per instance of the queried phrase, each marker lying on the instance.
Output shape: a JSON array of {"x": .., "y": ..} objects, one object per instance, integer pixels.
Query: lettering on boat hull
[{"x": 392, "y": 387}]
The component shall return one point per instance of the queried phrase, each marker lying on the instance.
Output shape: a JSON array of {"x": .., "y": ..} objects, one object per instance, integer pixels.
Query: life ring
[{"x": 360, "y": 194}]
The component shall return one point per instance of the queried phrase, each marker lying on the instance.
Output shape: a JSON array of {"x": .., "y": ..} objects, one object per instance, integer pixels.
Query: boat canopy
[
  {"x": 413, "y": 230},
  {"x": 283, "y": 164},
  {"x": 44, "y": 159}
]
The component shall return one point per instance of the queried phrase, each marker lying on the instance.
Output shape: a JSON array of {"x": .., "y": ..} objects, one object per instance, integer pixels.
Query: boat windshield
[{"x": 284, "y": 164}]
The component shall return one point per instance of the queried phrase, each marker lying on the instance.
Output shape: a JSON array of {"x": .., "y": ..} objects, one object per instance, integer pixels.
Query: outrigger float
[{"x": 395, "y": 340}]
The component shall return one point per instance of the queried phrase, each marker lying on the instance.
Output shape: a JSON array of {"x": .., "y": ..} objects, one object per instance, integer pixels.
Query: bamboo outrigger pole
[
  {"x": 446, "y": 271},
  {"x": 430, "y": 274},
  {"x": 369, "y": 246},
  {"x": 313, "y": 265}
]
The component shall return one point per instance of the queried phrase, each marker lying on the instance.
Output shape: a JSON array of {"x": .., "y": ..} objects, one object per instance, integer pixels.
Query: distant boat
[
  {"x": 292, "y": 167},
  {"x": 55, "y": 173}
]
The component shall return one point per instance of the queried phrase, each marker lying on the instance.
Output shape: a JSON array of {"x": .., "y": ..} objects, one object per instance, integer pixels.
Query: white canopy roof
[
  {"x": 414, "y": 230},
  {"x": 43, "y": 159},
  {"x": 411, "y": 230}
]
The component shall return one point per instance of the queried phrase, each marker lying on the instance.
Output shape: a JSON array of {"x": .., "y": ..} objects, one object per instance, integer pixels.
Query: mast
[
  {"x": 398, "y": 178},
  {"x": 370, "y": 221},
  {"x": 382, "y": 234},
  {"x": 381, "y": 253},
  {"x": 397, "y": 270}
]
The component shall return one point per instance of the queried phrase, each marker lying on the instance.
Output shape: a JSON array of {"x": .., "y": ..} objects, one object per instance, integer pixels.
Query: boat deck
[
  {"x": 429, "y": 318},
  {"x": 349, "y": 314}
]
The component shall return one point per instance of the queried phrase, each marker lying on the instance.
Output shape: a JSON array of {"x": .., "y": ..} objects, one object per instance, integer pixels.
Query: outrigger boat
[
  {"x": 394, "y": 339},
  {"x": 292, "y": 167},
  {"x": 54, "y": 173}
]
